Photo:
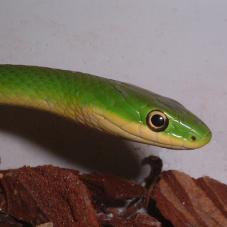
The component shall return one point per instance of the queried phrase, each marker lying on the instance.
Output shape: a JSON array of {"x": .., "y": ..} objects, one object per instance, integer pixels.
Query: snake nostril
[{"x": 193, "y": 138}]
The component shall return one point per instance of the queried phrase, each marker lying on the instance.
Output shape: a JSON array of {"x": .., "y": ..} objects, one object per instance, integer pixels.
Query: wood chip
[
  {"x": 47, "y": 194},
  {"x": 186, "y": 201}
]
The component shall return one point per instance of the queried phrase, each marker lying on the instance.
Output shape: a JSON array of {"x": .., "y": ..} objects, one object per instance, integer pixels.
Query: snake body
[{"x": 111, "y": 106}]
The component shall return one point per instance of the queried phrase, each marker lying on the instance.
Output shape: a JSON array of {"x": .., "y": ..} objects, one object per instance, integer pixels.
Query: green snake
[{"x": 111, "y": 106}]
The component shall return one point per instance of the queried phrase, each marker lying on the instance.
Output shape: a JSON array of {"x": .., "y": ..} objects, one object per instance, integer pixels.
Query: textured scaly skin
[{"x": 108, "y": 105}]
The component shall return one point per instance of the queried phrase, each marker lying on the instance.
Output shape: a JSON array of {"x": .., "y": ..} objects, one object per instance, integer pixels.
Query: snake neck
[{"x": 39, "y": 88}]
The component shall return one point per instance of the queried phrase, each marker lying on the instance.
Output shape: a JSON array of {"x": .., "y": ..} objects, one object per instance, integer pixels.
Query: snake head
[{"x": 146, "y": 117}]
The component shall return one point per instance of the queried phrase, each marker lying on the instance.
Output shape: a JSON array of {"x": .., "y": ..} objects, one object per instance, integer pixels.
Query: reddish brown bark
[{"x": 186, "y": 201}]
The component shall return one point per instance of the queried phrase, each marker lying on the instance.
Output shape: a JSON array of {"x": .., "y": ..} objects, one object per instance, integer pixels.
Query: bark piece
[
  {"x": 47, "y": 194},
  {"x": 112, "y": 187},
  {"x": 186, "y": 201},
  {"x": 61, "y": 197}
]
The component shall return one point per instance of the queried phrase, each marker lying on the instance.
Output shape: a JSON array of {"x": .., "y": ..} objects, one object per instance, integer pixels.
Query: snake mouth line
[{"x": 105, "y": 124}]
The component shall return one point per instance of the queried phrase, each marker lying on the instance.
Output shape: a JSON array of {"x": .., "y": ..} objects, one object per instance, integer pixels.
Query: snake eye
[{"x": 157, "y": 121}]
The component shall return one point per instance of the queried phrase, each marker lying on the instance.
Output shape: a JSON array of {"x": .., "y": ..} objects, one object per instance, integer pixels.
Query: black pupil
[{"x": 157, "y": 120}]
